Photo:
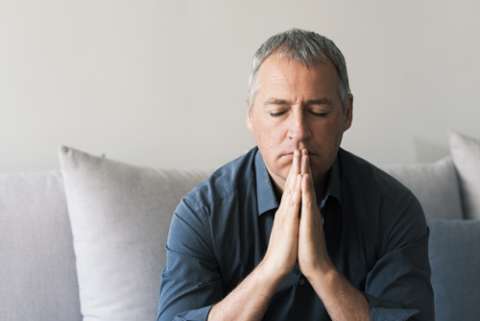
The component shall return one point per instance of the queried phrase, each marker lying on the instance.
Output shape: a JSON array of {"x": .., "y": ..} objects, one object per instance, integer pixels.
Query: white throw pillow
[
  {"x": 434, "y": 184},
  {"x": 120, "y": 216},
  {"x": 466, "y": 156}
]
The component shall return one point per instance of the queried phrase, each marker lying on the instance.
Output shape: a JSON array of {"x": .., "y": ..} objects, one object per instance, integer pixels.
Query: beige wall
[{"x": 162, "y": 83}]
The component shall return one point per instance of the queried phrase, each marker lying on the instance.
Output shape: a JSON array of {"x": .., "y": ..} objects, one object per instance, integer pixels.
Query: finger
[
  {"x": 296, "y": 161},
  {"x": 307, "y": 193},
  {"x": 290, "y": 182},
  {"x": 309, "y": 203},
  {"x": 306, "y": 218},
  {"x": 308, "y": 168},
  {"x": 310, "y": 181},
  {"x": 291, "y": 198},
  {"x": 292, "y": 193},
  {"x": 295, "y": 202},
  {"x": 297, "y": 193},
  {"x": 304, "y": 161}
]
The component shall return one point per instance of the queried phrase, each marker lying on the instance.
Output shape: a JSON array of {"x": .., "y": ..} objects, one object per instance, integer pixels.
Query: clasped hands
[{"x": 297, "y": 232}]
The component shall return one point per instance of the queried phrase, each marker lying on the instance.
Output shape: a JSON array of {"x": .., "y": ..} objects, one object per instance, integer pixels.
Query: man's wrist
[
  {"x": 268, "y": 275},
  {"x": 322, "y": 274}
]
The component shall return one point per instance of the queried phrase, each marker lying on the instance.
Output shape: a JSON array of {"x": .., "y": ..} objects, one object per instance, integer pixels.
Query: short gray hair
[{"x": 306, "y": 47}]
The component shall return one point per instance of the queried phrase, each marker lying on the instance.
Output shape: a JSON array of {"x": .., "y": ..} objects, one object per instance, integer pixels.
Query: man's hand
[
  {"x": 282, "y": 251},
  {"x": 250, "y": 299},
  {"x": 294, "y": 237},
  {"x": 341, "y": 300},
  {"x": 312, "y": 251}
]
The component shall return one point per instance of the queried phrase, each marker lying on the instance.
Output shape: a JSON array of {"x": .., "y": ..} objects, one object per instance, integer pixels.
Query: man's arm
[
  {"x": 398, "y": 287},
  {"x": 341, "y": 300},
  {"x": 399, "y": 283},
  {"x": 249, "y": 300},
  {"x": 191, "y": 281}
]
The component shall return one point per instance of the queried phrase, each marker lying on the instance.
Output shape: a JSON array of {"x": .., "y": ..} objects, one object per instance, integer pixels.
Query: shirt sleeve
[
  {"x": 398, "y": 287},
  {"x": 191, "y": 281}
]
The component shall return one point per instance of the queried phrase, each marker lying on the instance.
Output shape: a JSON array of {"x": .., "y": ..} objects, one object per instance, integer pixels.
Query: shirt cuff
[
  {"x": 381, "y": 312},
  {"x": 200, "y": 314}
]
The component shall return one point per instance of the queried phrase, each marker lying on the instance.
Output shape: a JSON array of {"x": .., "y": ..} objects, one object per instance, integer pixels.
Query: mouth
[{"x": 310, "y": 154}]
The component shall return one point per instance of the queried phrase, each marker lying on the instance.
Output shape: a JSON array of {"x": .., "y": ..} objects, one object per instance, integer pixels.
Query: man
[{"x": 298, "y": 228}]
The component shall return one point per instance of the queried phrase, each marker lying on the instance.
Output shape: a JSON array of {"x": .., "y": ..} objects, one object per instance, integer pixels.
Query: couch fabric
[
  {"x": 37, "y": 266},
  {"x": 466, "y": 155},
  {"x": 455, "y": 261}
]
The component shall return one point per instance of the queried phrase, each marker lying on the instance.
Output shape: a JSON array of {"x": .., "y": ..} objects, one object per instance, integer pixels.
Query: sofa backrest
[
  {"x": 37, "y": 263},
  {"x": 37, "y": 271},
  {"x": 436, "y": 186}
]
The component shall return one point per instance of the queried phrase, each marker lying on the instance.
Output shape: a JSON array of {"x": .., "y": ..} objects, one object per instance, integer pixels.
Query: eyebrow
[
  {"x": 316, "y": 101},
  {"x": 319, "y": 101},
  {"x": 276, "y": 101}
]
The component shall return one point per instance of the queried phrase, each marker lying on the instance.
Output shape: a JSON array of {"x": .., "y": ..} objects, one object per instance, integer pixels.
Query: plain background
[{"x": 163, "y": 83}]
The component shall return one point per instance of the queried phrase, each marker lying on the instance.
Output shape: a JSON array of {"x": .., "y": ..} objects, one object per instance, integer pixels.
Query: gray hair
[{"x": 306, "y": 47}]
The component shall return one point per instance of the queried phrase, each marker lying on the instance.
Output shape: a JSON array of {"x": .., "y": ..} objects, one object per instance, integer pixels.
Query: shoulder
[
  {"x": 224, "y": 182},
  {"x": 395, "y": 210},
  {"x": 364, "y": 176}
]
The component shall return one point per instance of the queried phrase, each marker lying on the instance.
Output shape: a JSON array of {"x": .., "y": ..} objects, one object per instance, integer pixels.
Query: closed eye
[
  {"x": 323, "y": 114},
  {"x": 280, "y": 113},
  {"x": 276, "y": 114}
]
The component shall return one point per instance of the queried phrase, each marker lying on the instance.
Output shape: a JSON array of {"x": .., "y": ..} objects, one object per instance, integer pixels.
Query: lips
[{"x": 291, "y": 154}]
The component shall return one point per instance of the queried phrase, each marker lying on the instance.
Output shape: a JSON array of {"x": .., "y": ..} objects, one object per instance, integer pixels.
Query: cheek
[
  {"x": 270, "y": 136},
  {"x": 327, "y": 140},
  {"x": 329, "y": 133}
]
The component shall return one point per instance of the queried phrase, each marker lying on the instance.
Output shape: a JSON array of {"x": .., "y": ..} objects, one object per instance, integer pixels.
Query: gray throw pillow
[
  {"x": 466, "y": 156},
  {"x": 434, "y": 184},
  {"x": 455, "y": 262},
  {"x": 119, "y": 215}
]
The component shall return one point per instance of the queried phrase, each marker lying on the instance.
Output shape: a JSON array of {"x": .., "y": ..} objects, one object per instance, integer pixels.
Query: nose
[{"x": 298, "y": 130}]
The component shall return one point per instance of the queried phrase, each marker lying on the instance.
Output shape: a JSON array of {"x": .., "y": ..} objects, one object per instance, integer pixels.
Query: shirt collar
[{"x": 266, "y": 198}]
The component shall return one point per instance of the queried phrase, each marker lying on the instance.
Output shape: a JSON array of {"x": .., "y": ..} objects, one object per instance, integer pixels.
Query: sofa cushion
[
  {"x": 120, "y": 216},
  {"x": 466, "y": 156},
  {"x": 455, "y": 262},
  {"x": 38, "y": 280},
  {"x": 435, "y": 185}
]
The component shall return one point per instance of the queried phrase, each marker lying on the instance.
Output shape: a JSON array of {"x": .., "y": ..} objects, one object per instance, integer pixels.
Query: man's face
[{"x": 297, "y": 107}]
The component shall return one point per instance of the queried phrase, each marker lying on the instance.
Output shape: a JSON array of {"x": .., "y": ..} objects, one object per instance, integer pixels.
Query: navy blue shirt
[{"x": 375, "y": 231}]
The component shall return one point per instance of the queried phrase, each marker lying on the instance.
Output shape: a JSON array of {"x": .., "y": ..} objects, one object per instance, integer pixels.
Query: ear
[
  {"x": 348, "y": 112},
  {"x": 248, "y": 118}
]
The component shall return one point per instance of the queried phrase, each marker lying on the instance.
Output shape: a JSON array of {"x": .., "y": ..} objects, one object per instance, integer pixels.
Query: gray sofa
[{"x": 42, "y": 247}]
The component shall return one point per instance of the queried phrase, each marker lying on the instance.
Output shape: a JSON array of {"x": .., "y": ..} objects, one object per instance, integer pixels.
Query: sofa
[{"x": 86, "y": 241}]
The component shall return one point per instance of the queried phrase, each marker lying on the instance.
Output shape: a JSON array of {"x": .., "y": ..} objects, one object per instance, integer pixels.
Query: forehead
[{"x": 284, "y": 75}]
